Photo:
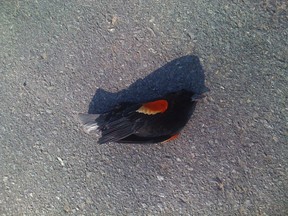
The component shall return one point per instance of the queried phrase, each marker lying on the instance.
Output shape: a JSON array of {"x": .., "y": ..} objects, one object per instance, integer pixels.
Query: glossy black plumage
[{"x": 148, "y": 122}]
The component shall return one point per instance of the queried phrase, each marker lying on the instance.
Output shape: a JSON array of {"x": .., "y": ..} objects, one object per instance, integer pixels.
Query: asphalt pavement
[{"x": 62, "y": 57}]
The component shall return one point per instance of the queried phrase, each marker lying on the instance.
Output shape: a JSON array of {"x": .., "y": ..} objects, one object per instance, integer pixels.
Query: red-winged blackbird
[{"x": 149, "y": 122}]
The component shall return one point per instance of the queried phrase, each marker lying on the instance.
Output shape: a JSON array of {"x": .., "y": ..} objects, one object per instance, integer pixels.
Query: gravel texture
[{"x": 62, "y": 57}]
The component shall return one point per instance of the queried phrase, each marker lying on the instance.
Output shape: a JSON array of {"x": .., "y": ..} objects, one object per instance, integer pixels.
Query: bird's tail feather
[{"x": 88, "y": 121}]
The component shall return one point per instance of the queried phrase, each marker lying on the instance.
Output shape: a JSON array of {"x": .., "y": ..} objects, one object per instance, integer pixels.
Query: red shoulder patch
[
  {"x": 154, "y": 107},
  {"x": 171, "y": 138}
]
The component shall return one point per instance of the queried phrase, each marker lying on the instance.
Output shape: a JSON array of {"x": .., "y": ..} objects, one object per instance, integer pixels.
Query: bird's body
[{"x": 149, "y": 122}]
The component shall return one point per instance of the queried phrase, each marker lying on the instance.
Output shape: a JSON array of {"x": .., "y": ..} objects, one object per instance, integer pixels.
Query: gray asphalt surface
[{"x": 231, "y": 158}]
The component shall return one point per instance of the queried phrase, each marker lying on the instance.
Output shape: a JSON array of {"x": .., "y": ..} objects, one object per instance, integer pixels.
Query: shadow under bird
[{"x": 159, "y": 120}]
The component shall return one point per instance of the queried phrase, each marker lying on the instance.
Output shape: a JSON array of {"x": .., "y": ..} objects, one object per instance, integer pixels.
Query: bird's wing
[
  {"x": 131, "y": 119},
  {"x": 116, "y": 130}
]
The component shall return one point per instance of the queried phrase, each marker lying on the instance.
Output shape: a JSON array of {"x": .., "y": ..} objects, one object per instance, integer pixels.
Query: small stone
[
  {"x": 67, "y": 208},
  {"x": 50, "y": 88},
  {"x": 5, "y": 179},
  {"x": 88, "y": 174},
  {"x": 183, "y": 200},
  {"x": 152, "y": 50},
  {"x": 82, "y": 205},
  {"x": 275, "y": 139},
  {"x": 160, "y": 178},
  {"x": 220, "y": 183},
  {"x": 248, "y": 203},
  {"x": 190, "y": 169},
  {"x": 61, "y": 161},
  {"x": 210, "y": 142},
  {"x": 89, "y": 201},
  {"x": 49, "y": 157},
  {"x": 114, "y": 20},
  {"x": 266, "y": 124},
  {"x": 48, "y": 111},
  {"x": 43, "y": 56}
]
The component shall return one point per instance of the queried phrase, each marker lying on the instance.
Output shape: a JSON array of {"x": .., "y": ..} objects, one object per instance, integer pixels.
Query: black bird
[{"x": 159, "y": 120}]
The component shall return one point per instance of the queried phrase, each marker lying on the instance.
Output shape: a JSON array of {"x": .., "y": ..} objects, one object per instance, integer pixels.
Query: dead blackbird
[{"x": 154, "y": 121}]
